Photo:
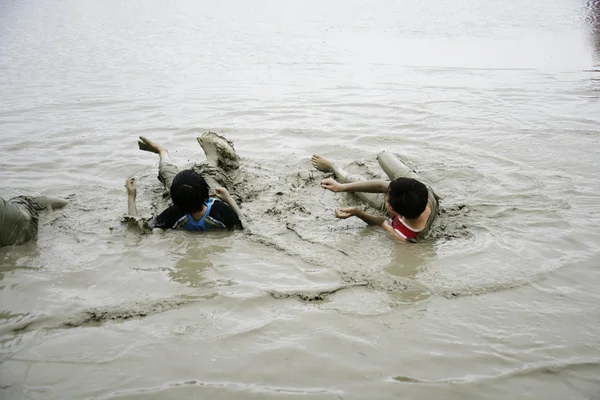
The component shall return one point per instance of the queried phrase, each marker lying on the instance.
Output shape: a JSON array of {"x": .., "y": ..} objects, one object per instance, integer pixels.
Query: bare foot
[
  {"x": 49, "y": 203},
  {"x": 321, "y": 163},
  {"x": 148, "y": 145}
]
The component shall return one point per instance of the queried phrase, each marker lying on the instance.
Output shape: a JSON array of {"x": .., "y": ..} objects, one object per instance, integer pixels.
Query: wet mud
[
  {"x": 312, "y": 295},
  {"x": 99, "y": 315},
  {"x": 291, "y": 213}
]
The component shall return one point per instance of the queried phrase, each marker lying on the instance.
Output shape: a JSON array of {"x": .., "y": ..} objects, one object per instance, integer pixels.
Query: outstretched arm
[
  {"x": 131, "y": 194},
  {"x": 370, "y": 219},
  {"x": 360, "y": 186},
  {"x": 224, "y": 195},
  {"x": 344, "y": 213}
]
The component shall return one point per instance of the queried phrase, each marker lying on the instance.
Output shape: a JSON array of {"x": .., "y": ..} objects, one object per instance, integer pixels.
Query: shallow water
[{"x": 496, "y": 105}]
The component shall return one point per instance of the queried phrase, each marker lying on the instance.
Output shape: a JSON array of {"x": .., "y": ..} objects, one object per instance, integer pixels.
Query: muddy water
[{"x": 495, "y": 104}]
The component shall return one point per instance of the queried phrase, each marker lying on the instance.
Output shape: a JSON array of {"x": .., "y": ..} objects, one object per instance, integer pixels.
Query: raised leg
[
  {"x": 221, "y": 160},
  {"x": 394, "y": 168},
  {"x": 219, "y": 151},
  {"x": 166, "y": 169}
]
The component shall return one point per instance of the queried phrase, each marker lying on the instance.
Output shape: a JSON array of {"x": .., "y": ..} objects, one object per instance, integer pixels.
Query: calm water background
[{"x": 495, "y": 103}]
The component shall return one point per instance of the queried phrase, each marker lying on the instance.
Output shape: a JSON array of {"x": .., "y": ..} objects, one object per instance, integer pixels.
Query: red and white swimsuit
[{"x": 404, "y": 230}]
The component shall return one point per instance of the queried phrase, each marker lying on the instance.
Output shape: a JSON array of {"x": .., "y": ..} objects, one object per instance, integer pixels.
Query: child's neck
[
  {"x": 197, "y": 215},
  {"x": 419, "y": 222}
]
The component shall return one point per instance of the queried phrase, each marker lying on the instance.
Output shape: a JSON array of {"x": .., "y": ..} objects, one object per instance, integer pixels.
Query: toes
[{"x": 146, "y": 142}]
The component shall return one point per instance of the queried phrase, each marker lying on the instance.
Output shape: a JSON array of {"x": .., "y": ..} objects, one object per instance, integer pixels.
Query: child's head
[
  {"x": 406, "y": 197},
  {"x": 189, "y": 191}
]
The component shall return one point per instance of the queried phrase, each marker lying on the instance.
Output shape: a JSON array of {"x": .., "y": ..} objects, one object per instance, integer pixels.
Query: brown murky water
[{"x": 496, "y": 105}]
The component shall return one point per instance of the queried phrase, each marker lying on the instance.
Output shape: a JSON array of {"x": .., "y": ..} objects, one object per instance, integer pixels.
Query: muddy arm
[
  {"x": 132, "y": 207},
  {"x": 231, "y": 203},
  {"x": 131, "y": 194},
  {"x": 358, "y": 186},
  {"x": 224, "y": 195},
  {"x": 370, "y": 219}
]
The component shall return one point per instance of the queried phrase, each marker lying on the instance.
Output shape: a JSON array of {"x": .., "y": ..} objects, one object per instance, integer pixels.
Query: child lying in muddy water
[
  {"x": 19, "y": 218},
  {"x": 193, "y": 209},
  {"x": 411, "y": 204}
]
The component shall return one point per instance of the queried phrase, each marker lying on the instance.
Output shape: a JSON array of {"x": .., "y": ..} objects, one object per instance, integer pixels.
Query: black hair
[
  {"x": 408, "y": 197},
  {"x": 189, "y": 191}
]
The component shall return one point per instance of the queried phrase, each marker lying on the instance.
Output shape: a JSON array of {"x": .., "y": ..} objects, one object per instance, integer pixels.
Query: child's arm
[
  {"x": 370, "y": 219},
  {"x": 132, "y": 217},
  {"x": 360, "y": 186},
  {"x": 131, "y": 194},
  {"x": 224, "y": 195}
]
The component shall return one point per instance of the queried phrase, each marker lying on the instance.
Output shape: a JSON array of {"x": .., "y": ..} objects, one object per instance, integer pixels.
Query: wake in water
[{"x": 289, "y": 212}]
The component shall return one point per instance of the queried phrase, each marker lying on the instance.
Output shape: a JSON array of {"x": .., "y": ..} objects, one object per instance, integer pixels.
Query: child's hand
[
  {"x": 131, "y": 187},
  {"x": 331, "y": 184},
  {"x": 343, "y": 213},
  {"x": 222, "y": 193},
  {"x": 387, "y": 226}
]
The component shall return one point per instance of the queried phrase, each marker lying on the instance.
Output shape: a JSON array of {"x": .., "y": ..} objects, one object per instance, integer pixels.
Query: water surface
[{"x": 495, "y": 103}]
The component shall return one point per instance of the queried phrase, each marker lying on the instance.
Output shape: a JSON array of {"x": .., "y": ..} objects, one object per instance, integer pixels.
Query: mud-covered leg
[
  {"x": 48, "y": 203},
  {"x": 18, "y": 221},
  {"x": 166, "y": 169},
  {"x": 394, "y": 168},
  {"x": 376, "y": 201},
  {"x": 222, "y": 162},
  {"x": 219, "y": 151}
]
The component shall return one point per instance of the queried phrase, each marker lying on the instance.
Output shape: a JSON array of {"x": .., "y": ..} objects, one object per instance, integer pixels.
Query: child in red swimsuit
[{"x": 410, "y": 203}]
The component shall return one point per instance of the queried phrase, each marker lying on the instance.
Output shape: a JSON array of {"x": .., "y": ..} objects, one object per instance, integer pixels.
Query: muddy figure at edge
[
  {"x": 19, "y": 218},
  {"x": 201, "y": 200}
]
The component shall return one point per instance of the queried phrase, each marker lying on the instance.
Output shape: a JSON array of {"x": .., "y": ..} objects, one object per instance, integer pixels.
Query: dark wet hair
[
  {"x": 189, "y": 191},
  {"x": 408, "y": 197}
]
